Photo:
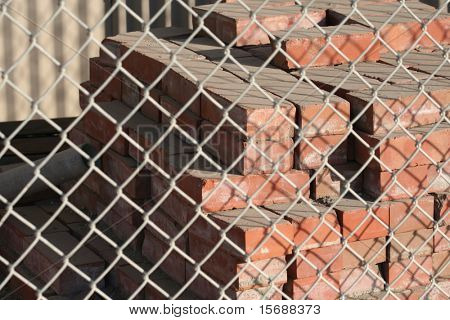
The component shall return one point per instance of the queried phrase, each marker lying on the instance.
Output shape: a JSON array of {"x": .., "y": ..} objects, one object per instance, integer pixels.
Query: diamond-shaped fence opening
[{"x": 245, "y": 149}]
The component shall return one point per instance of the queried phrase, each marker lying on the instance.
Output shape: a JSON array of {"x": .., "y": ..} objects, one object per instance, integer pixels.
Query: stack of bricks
[{"x": 292, "y": 193}]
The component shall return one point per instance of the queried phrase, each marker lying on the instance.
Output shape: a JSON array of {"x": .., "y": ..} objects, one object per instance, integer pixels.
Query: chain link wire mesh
[{"x": 211, "y": 177}]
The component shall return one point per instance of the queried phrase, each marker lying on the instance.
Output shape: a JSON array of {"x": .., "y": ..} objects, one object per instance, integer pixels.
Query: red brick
[
  {"x": 349, "y": 282},
  {"x": 308, "y": 158},
  {"x": 370, "y": 251},
  {"x": 313, "y": 288},
  {"x": 417, "y": 243},
  {"x": 314, "y": 116},
  {"x": 156, "y": 250},
  {"x": 15, "y": 233},
  {"x": 120, "y": 168},
  {"x": 95, "y": 243},
  {"x": 78, "y": 137},
  {"x": 97, "y": 126},
  {"x": 440, "y": 242},
  {"x": 441, "y": 265},
  {"x": 397, "y": 149},
  {"x": 416, "y": 109},
  {"x": 46, "y": 263},
  {"x": 254, "y": 112},
  {"x": 325, "y": 185},
  {"x": 305, "y": 46},
  {"x": 228, "y": 269},
  {"x": 230, "y": 21},
  {"x": 427, "y": 62},
  {"x": 403, "y": 29},
  {"x": 187, "y": 119},
  {"x": 133, "y": 95},
  {"x": 309, "y": 224},
  {"x": 402, "y": 275},
  {"x": 413, "y": 179},
  {"x": 164, "y": 227},
  {"x": 438, "y": 178},
  {"x": 251, "y": 232},
  {"x": 209, "y": 291},
  {"x": 150, "y": 109},
  {"x": 358, "y": 281},
  {"x": 91, "y": 90},
  {"x": 352, "y": 212},
  {"x": 257, "y": 157},
  {"x": 129, "y": 282},
  {"x": 203, "y": 184},
  {"x": 172, "y": 202},
  {"x": 181, "y": 87},
  {"x": 404, "y": 216},
  {"x": 99, "y": 74},
  {"x": 389, "y": 73},
  {"x": 319, "y": 257},
  {"x": 105, "y": 194},
  {"x": 340, "y": 77}
]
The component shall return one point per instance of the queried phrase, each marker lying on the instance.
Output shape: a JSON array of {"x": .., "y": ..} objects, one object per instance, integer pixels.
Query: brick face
[
  {"x": 306, "y": 47},
  {"x": 241, "y": 226}
]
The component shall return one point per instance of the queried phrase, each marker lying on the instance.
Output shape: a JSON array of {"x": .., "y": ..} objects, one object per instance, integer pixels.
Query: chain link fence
[{"x": 256, "y": 150}]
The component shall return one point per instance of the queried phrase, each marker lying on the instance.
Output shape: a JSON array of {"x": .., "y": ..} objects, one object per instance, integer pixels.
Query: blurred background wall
[{"x": 46, "y": 74}]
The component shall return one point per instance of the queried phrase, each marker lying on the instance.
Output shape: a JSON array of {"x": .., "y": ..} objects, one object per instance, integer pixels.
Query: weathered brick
[
  {"x": 313, "y": 261},
  {"x": 306, "y": 157},
  {"x": 314, "y": 116},
  {"x": 254, "y": 112},
  {"x": 404, "y": 216},
  {"x": 440, "y": 242},
  {"x": 186, "y": 120},
  {"x": 314, "y": 224},
  {"x": 418, "y": 243},
  {"x": 352, "y": 212},
  {"x": 91, "y": 90},
  {"x": 305, "y": 47},
  {"x": 250, "y": 232},
  {"x": 45, "y": 263},
  {"x": 328, "y": 184},
  {"x": 97, "y": 126},
  {"x": 99, "y": 75},
  {"x": 120, "y": 168},
  {"x": 398, "y": 148},
  {"x": 405, "y": 274},
  {"x": 207, "y": 290},
  {"x": 261, "y": 156},
  {"x": 403, "y": 29},
  {"x": 427, "y": 62},
  {"x": 415, "y": 108},
  {"x": 353, "y": 255},
  {"x": 133, "y": 95},
  {"x": 329, "y": 78},
  {"x": 441, "y": 266},
  {"x": 313, "y": 288},
  {"x": 389, "y": 73},
  {"x": 413, "y": 179},
  {"x": 156, "y": 249},
  {"x": 325, "y": 184},
  {"x": 228, "y": 269},
  {"x": 348, "y": 282},
  {"x": 202, "y": 182},
  {"x": 14, "y": 232},
  {"x": 230, "y": 22}
]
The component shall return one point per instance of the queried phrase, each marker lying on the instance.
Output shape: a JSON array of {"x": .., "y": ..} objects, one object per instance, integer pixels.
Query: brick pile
[{"x": 284, "y": 198}]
